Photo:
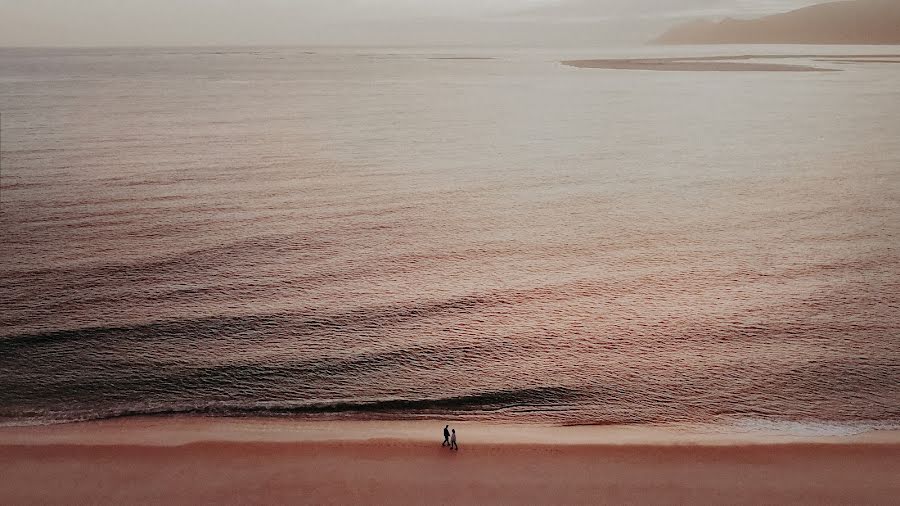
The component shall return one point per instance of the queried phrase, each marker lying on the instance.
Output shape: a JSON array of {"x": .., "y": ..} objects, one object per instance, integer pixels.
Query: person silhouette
[
  {"x": 446, "y": 436},
  {"x": 453, "y": 441}
]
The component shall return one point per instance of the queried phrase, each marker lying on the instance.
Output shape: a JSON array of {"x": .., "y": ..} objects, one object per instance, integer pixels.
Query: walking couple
[{"x": 449, "y": 439}]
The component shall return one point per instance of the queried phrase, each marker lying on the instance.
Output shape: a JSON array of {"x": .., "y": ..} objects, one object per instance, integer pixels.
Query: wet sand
[{"x": 236, "y": 463}]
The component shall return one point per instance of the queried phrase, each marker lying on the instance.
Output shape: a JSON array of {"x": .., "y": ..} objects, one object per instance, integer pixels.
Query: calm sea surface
[{"x": 377, "y": 233}]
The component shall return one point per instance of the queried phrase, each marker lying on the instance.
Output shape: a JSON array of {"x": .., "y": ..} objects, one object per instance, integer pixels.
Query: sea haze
[{"x": 396, "y": 233}]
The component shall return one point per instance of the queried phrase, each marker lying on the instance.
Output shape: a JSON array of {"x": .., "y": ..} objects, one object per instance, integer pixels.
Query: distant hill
[{"x": 847, "y": 22}]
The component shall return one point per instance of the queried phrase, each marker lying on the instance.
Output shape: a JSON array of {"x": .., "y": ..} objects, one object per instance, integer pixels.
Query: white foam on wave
[{"x": 808, "y": 428}]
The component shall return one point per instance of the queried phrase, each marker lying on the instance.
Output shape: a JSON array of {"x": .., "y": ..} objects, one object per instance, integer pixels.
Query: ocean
[{"x": 396, "y": 233}]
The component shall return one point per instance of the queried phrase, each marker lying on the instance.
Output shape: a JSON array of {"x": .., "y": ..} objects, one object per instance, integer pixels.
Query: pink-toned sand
[{"x": 123, "y": 464}]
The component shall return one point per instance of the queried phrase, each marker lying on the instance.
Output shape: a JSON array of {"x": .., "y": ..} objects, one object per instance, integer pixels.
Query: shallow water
[{"x": 376, "y": 233}]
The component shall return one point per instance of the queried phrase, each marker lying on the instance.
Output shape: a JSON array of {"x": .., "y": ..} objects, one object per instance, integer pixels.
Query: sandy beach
[{"x": 196, "y": 461}]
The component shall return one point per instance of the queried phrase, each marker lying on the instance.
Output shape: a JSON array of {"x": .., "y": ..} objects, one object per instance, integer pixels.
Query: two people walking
[{"x": 450, "y": 439}]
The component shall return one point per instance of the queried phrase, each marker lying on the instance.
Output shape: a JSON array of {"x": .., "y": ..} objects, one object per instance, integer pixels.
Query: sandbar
[
  {"x": 730, "y": 63},
  {"x": 691, "y": 65},
  {"x": 462, "y": 58},
  {"x": 858, "y": 61}
]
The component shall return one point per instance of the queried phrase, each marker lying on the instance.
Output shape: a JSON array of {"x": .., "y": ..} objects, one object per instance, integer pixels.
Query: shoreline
[
  {"x": 190, "y": 460},
  {"x": 181, "y": 430}
]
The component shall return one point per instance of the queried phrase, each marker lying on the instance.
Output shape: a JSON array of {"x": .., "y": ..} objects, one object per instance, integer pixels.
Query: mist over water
[{"x": 380, "y": 233}]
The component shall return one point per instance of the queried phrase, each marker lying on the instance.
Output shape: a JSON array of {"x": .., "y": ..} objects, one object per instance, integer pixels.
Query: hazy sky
[{"x": 224, "y": 22}]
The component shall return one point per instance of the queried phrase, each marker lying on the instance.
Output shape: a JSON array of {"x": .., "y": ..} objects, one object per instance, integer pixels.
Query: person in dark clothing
[{"x": 446, "y": 436}]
